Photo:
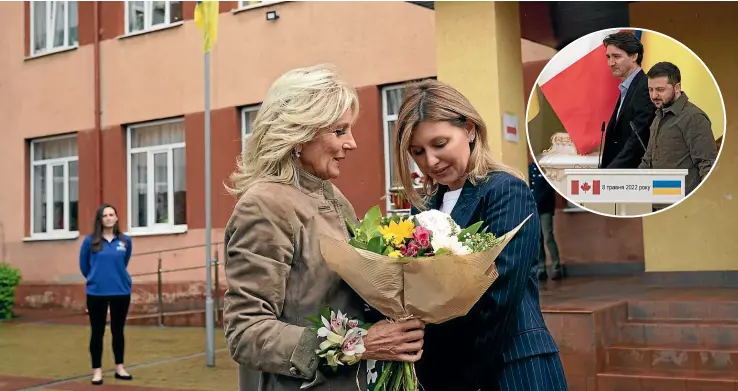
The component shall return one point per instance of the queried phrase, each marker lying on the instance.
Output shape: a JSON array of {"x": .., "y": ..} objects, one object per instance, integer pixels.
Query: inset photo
[{"x": 625, "y": 122}]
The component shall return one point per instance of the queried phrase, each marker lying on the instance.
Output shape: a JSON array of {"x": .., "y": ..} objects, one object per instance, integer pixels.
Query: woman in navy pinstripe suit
[{"x": 503, "y": 343}]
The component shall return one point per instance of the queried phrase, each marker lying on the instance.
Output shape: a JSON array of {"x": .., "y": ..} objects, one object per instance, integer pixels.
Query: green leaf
[
  {"x": 358, "y": 244},
  {"x": 376, "y": 245},
  {"x": 369, "y": 226},
  {"x": 314, "y": 319},
  {"x": 10, "y": 277},
  {"x": 471, "y": 230},
  {"x": 443, "y": 251},
  {"x": 326, "y": 312},
  {"x": 351, "y": 227},
  {"x": 387, "y": 250}
]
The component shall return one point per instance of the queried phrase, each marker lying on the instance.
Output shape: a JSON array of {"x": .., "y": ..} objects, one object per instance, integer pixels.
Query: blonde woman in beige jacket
[{"x": 276, "y": 276}]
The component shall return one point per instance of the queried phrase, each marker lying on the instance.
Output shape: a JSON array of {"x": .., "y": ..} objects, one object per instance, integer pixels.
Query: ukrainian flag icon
[{"x": 667, "y": 187}]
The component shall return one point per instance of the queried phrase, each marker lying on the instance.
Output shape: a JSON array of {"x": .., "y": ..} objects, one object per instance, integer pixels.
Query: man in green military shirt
[{"x": 681, "y": 133}]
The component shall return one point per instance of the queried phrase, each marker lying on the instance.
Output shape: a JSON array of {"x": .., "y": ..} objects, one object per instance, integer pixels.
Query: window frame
[
  {"x": 49, "y": 30},
  {"x": 148, "y": 17},
  {"x": 246, "y": 4},
  {"x": 244, "y": 111},
  {"x": 386, "y": 118},
  {"x": 49, "y": 164},
  {"x": 154, "y": 228}
]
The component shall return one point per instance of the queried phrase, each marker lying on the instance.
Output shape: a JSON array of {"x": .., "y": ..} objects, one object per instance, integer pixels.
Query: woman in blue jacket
[
  {"x": 503, "y": 341},
  {"x": 103, "y": 260}
]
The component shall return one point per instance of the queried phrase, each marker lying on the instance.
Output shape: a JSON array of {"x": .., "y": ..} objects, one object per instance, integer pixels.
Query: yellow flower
[
  {"x": 395, "y": 254},
  {"x": 396, "y": 233}
]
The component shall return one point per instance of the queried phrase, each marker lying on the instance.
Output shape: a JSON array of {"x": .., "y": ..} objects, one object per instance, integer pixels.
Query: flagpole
[{"x": 209, "y": 321}]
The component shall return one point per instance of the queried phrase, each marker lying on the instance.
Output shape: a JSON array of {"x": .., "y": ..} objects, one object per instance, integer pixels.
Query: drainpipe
[{"x": 98, "y": 129}]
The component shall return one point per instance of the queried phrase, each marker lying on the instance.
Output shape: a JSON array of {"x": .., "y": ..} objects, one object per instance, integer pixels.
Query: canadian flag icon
[{"x": 585, "y": 187}]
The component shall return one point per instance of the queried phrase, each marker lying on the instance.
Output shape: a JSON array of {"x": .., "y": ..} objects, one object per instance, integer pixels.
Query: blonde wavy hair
[
  {"x": 432, "y": 100},
  {"x": 298, "y": 105}
]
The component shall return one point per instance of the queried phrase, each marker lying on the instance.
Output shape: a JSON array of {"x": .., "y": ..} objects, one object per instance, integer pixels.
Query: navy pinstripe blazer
[{"x": 506, "y": 324}]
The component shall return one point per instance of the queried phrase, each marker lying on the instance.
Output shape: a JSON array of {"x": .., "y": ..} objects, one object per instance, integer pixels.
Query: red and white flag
[
  {"x": 585, "y": 187},
  {"x": 581, "y": 89}
]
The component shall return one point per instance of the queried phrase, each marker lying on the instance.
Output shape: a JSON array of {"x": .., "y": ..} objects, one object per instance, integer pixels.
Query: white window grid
[
  {"x": 52, "y": 233},
  {"x": 49, "y": 29},
  {"x": 246, "y": 127},
  {"x": 387, "y": 118},
  {"x": 148, "y": 12},
  {"x": 151, "y": 226},
  {"x": 245, "y": 4}
]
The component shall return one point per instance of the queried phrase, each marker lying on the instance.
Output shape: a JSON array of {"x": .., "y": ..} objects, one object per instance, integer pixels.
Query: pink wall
[{"x": 160, "y": 74}]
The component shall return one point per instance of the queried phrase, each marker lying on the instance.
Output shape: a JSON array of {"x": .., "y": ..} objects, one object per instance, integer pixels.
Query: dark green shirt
[{"x": 681, "y": 138}]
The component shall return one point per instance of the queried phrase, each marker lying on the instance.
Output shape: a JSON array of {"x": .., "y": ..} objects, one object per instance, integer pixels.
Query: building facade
[{"x": 102, "y": 102}]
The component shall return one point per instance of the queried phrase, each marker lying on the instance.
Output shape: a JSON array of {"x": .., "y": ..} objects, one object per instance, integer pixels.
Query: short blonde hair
[
  {"x": 432, "y": 100},
  {"x": 298, "y": 105}
]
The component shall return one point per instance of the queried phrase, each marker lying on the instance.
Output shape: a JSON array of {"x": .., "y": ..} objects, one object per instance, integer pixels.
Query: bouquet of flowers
[
  {"x": 424, "y": 266},
  {"x": 341, "y": 338}
]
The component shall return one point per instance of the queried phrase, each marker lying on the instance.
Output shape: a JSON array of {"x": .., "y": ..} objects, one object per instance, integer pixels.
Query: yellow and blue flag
[
  {"x": 206, "y": 19},
  {"x": 661, "y": 187}
]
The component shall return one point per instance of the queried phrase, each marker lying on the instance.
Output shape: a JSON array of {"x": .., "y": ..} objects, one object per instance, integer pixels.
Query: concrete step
[
  {"x": 683, "y": 310},
  {"x": 684, "y": 334},
  {"x": 614, "y": 380},
  {"x": 679, "y": 360}
]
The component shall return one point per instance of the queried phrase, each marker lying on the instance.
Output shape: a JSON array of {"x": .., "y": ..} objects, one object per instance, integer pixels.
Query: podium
[{"x": 624, "y": 192}]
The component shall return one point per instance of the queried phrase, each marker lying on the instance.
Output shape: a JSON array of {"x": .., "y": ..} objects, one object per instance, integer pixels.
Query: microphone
[
  {"x": 633, "y": 128},
  {"x": 602, "y": 147}
]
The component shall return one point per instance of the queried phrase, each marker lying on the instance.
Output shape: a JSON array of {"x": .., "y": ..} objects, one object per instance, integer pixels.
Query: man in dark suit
[
  {"x": 545, "y": 197},
  {"x": 622, "y": 147}
]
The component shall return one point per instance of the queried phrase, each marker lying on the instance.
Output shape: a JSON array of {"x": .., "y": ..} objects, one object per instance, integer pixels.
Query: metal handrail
[
  {"x": 174, "y": 249},
  {"x": 159, "y": 280}
]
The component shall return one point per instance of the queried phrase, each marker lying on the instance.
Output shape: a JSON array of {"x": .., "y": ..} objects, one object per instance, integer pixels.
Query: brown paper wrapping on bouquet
[{"x": 433, "y": 289}]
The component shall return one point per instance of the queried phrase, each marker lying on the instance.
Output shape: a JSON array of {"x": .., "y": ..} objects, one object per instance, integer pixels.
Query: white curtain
[
  {"x": 44, "y": 172},
  {"x": 160, "y": 134},
  {"x": 39, "y": 25}
]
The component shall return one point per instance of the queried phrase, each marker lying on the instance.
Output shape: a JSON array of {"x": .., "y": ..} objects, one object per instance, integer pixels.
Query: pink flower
[
  {"x": 410, "y": 250},
  {"x": 422, "y": 236},
  {"x": 353, "y": 323}
]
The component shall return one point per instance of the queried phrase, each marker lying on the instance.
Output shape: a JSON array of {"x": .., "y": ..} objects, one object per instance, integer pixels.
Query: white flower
[
  {"x": 439, "y": 223},
  {"x": 450, "y": 243}
]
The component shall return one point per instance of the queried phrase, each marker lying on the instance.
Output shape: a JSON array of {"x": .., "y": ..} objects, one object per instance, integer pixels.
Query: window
[
  {"x": 150, "y": 15},
  {"x": 391, "y": 101},
  {"x": 247, "y": 118},
  {"x": 247, "y": 3},
  {"x": 156, "y": 177},
  {"x": 53, "y": 26},
  {"x": 54, "y": 188}
]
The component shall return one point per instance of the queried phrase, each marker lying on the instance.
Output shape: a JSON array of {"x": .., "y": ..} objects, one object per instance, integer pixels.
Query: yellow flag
[
  {"x": 206, "y": 19},
  {"x": 533, "y": 107},
  {"x": 696, "y": 80}
]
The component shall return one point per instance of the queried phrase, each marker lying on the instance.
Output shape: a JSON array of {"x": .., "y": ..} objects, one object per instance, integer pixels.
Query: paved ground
[{"x": 54, "y": 357}]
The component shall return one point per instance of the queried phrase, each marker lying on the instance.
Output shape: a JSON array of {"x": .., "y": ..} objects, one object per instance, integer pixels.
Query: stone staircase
[{"x": 674, "y": 346}]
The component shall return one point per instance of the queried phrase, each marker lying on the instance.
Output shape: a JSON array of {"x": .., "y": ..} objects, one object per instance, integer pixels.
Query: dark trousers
[
  {"x": 548, "y": 241},
  {"x": 97, "y": 307}
]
